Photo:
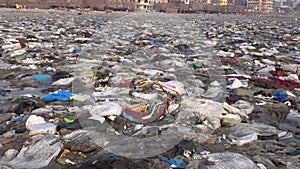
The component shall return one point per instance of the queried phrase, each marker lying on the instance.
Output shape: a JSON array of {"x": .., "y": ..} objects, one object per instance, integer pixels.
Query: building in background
[
  {"x": 224, "y": 2},
  {"x": 120, "y": 5},
  {"x": 289, "y": 3},
  {"x": 261, "y": 5},
  {"x": 95, "y": 4},
  {"x": 143, "y": 5},
  {"x": 277, "y": 4},
  {"x": 284, "y": 6},
  {"x": 183, "y": 6},
  {"x": 240, "y": 3},
  {"x": 146, "y": 5}
]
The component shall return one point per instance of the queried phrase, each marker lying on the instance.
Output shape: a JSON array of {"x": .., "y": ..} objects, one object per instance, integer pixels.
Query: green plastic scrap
[
  {"x": 196, "y": 65},
  {"x": 179, "y": 157},
  {"x": 56, "y": 140},
  {"x": 22, "y": 57},
  {"x": 274, "y": 141},
  {"x": 132, "y": 74},
  {"x": 68, "y": 120}
]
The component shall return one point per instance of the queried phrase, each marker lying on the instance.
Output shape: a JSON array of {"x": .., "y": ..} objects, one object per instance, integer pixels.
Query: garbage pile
[{"x": 148, "y": 90}]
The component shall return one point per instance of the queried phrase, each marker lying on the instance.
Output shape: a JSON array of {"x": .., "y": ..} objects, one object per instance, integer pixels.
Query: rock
[
  {"x": 243, "y": 92},
  {"x": 80, "y": 140},
  {"x": 226, "y": 122}
]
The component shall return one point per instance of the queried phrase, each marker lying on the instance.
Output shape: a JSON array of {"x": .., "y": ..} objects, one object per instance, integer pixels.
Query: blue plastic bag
[
  {"x": 59, "y": 95},
  {"x": 186, "y": 53},
  {"x": 281, "y": 96},
  {"x": 97, "y": 26},
  {"x": 175, "y": 163},
  {"x": 158, "y": 41}
]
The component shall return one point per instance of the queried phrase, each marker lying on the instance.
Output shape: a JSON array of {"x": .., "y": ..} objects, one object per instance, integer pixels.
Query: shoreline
[{"x": 85, "y": 11}]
